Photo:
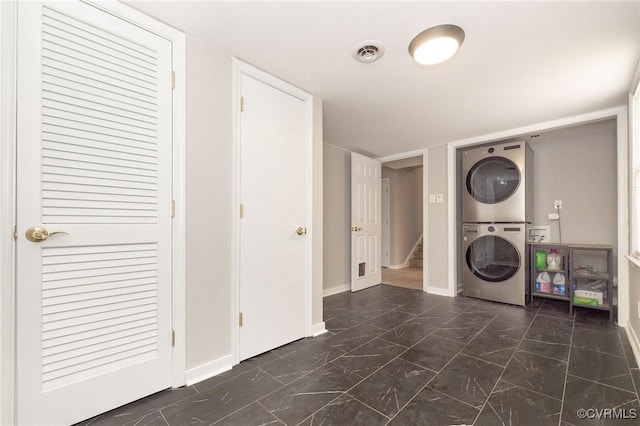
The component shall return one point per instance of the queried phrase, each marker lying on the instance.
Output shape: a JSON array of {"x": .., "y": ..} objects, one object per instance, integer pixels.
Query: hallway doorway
[{"x": 402, "y": 222}]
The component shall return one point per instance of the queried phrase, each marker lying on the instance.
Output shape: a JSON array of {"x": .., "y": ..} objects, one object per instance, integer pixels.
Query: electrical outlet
[
  {"x": 439, "y": 198},
  {"x": 553, "y": 216},
  {"x": 557, "y": 204}
]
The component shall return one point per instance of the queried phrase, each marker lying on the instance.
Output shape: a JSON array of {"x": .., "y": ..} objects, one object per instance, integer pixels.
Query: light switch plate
[{"x": 432, "y": 198}]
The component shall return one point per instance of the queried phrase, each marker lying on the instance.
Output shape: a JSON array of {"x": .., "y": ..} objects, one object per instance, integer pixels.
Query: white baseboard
[
  {"x": 438, "y": 291},
  {"x": 633, "y": 340},
  {"x": 210, "y": 369},
  {"x": 318, "y": 329},
  {"x": 399, "y": 266},
  {"x": 335, "y": 290}
]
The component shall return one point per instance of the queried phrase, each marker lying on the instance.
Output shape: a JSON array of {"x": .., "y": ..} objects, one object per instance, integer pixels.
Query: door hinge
[
  {"x": 240, "y": 319},
  {"x": 241, "y": 211},
  {"x": 173, "y": 80},
  {"x": 241, "y": 103},
  {"x": 173, "y": 208},
  {"x": 15, "y": 233},
  {"x": 173, "y": 338}
]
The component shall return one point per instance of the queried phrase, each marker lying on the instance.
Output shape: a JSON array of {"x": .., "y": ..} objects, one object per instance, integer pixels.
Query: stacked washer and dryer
[{"x": 496, "y": 208}]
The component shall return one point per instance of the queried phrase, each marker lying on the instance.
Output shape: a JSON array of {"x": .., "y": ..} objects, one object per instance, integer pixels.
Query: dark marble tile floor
[{"x": 395, "y": 356}]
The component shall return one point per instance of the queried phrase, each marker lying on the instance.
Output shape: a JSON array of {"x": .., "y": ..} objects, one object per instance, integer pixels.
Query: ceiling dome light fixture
[{"x": 436, "y": 44}]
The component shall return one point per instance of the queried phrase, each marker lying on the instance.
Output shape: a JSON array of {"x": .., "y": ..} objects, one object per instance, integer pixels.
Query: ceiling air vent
[{"x": 368, "y": 51}]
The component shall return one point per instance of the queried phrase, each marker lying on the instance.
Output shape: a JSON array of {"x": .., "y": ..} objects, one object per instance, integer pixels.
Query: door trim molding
[
  {"x": 620, "y": 114},
  {"x": 386, "y": 213},
  {"x": 241, "y": 68},
  {"x": 425, "y": 208},
  {"x": 8, "y": 33}
]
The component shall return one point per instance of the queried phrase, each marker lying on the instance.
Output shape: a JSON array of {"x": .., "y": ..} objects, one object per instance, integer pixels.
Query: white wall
[
  {"x": 337, "y": 218},
  {"x": 406, "y": 205},
  {"x": 208, "y": 208}
]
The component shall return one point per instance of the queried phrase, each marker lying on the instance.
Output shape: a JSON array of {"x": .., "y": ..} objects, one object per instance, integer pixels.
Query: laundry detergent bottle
[
  {"x": 559, "y": 285},
  {"x": 553, "y": 259},
  {"x": 543, "y": 283}
]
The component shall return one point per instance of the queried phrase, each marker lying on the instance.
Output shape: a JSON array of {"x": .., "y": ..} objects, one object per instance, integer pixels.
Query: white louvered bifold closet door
[{"x": 94, "y": 162}]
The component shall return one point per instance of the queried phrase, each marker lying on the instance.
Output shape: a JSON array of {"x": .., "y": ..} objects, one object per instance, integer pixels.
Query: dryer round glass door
[
  {"x": 493, "y": 180},
  {"x": 493, "y": 259}
]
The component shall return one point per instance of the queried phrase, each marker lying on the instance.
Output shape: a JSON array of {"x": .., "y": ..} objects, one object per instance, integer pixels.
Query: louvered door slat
[
  {"x": 51, "y": 307},
  {"x": 72, "y": 139},
  {"x": 61, "y": 121},
  {"x": 96, "y": 182},
  {"x": 59, "y": 60},
  {"x": 112, "y": 278},
  {"x": 74, "y": 165},
  {"x": 79, "y": 252},
  {"x": 78, "y": 86},
  {"x": 76, "y": 188},
  {"x": 91, "y": 321},
  {"x": 97, "y": 287},
  {"x": 88, "y": 104},
  {"x": 54, "y": 149},
  {"x": 62, "y": 103},
  {"x": 70, "y": 57},
  {"x": 72, "y": 196},
  {"x": 58, "y": 276},
  {"x": 98, "y": 264},
  {"x": 64, "y": 346},
  {"x": 103, "y": 124},
  {"x": 70, "y": 91},
  {"x": 101, "y": 40},
  {"x": 85, "y": 353}
]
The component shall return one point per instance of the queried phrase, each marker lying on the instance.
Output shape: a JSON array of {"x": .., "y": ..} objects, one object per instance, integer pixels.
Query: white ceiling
[{"x": 521, "y": 62}]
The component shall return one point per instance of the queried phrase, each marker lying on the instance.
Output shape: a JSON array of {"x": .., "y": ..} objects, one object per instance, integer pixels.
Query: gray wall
[
  {"x": 406, "y": 205},
  {"x": 578, "y": 166},
  {"x": 337, "y": 217},
  {"x": 208, "y": 201},
  {"x": 437, "y": 236}
]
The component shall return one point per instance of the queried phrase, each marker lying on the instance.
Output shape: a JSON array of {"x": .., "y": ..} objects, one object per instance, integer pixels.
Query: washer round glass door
[
  {"x": 493, "y": 259},
  {"x": 493, "y": 180}
]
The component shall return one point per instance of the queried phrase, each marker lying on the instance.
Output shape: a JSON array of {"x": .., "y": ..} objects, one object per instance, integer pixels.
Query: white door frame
[
  {"x": 620, "y": 114},
  {"x": 386, "y": 214},
  {"x": 8, "y": 32},
  {"x": 241, "y": 68},
  {"x": 425, "y": 206}
]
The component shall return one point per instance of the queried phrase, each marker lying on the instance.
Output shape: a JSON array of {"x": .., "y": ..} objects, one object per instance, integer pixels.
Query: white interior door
[
  {"x": 366, "y": 223},
  {"x": 93, "y": 161},
  {"x": 272, "y": 192}
]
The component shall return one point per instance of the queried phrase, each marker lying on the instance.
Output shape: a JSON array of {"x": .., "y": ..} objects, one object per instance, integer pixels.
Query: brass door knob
[
  {"x": 356, "y": 228},
  {"x": 301, "y": 231},
  {"x": 37, "y": 234}
]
